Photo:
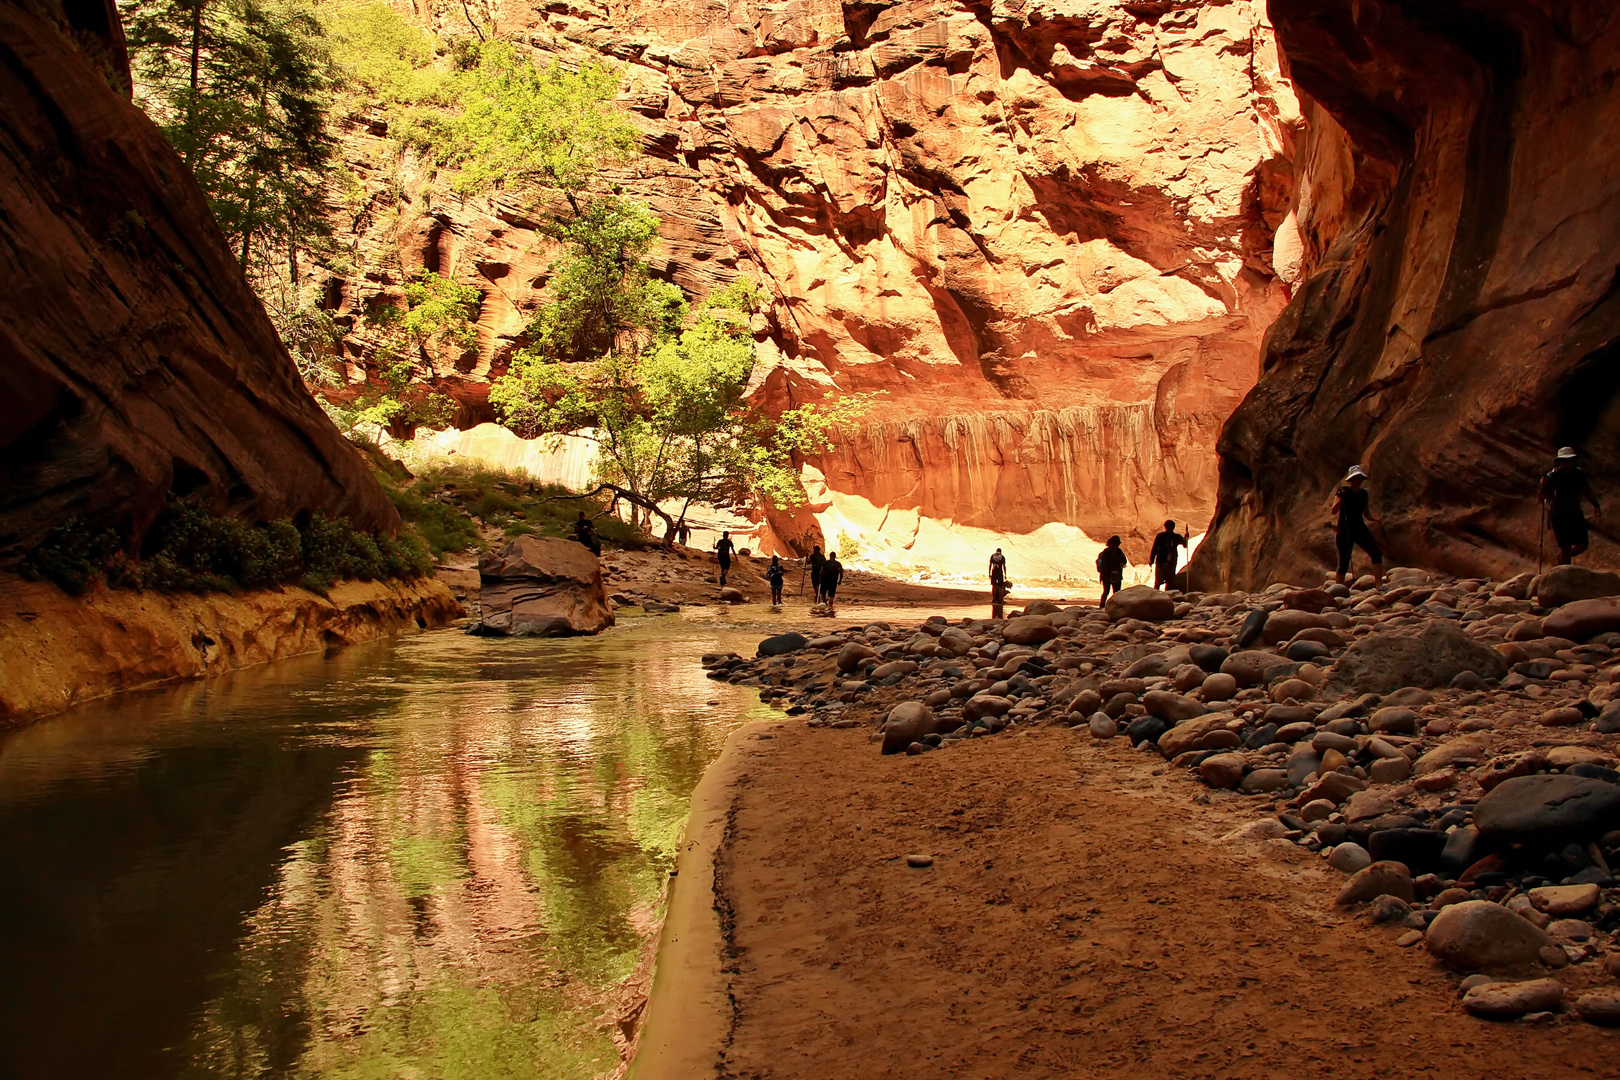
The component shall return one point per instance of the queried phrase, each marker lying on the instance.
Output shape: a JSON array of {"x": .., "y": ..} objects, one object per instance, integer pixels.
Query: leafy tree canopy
[{"x": 665, "y": 396}]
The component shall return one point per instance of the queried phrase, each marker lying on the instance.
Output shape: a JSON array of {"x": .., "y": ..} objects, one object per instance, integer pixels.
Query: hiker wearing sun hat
[
  {"x": 1350, "y": 503},
  {"x": 1562, "y": 491}
]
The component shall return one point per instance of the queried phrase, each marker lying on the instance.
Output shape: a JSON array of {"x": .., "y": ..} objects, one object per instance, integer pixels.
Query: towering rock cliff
[
  {"x": 1453, "y": 234},
  {"x": 134, "y": 358},
  {"x": 1042, "y": 228}
]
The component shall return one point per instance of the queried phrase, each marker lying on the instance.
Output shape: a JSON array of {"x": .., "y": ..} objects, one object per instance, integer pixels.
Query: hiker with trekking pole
[{"x": 1562, "y": 492}]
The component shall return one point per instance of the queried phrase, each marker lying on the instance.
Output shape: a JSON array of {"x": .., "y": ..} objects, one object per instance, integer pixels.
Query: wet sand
[{"x": 1078, "y": 920}]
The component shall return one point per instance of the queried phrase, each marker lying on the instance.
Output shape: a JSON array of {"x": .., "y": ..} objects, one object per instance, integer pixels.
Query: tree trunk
[{"x": 196, "y": 64}]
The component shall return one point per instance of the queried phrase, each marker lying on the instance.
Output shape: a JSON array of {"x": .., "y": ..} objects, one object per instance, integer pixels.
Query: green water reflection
[{"x": 436, "y": 857}]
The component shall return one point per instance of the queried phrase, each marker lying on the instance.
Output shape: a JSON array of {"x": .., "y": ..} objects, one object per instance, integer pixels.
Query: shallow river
[{"x": 434, "y": 857}]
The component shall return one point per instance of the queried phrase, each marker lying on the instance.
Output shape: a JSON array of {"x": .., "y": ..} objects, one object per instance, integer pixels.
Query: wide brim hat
[
  {"x": 1566, "y": 453},
  {"x": 1355, "y": 471}
]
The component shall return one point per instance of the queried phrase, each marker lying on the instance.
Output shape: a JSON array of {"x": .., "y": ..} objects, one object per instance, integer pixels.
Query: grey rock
[
  {"x": 782, "y": 644},
  {"x": 1461, "y": 850},
  {"x": 1429, "y": 654},
  {"x": 1349, "y": 858}
]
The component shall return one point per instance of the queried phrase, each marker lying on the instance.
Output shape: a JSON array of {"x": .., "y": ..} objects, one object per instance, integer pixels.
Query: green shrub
[
  {"x": 73, "y": 554},
  {"x": 189, "y": 549}
]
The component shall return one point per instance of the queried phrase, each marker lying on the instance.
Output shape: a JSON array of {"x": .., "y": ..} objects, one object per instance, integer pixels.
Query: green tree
[
  {"x": 670, "y": 415},
  {"x": 241, "y": 88},
  {"x": 438, "y": 314},
  {"x": 519, "y": 122}
]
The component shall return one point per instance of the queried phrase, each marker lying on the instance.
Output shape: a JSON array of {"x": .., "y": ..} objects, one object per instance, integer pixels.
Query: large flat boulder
[
  {"x": 1029, "y": 630},
  {"x": 1429, "y": 655},
  {"x": 542, "y": 586},
  {"x": 1478, "y": 935},
  {"x": 1579, "y": 620},
  {"x": 1565, "y": 584},
  {"x": 1547, "y": 810}
]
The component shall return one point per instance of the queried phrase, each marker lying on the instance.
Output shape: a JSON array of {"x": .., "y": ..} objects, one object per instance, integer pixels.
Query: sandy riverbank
[{"x": 1077, "y": 921}]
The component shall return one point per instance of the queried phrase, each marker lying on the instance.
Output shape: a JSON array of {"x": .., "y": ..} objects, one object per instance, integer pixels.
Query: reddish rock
[
  {"x": 1010, "y": 223},
  {"x": 1566, "y": 584},
  {"x": 1583, "y": 619},
  {"x": 1311, "y": 600},
  {"x": 542, "y": 586},
  {"x": 138, "y": 362},
  {"x": 1450, "y": 326}
]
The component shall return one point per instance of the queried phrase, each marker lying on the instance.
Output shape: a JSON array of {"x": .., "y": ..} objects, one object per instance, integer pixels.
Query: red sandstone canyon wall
[
  {"x": 134, "y": 358},
  {"x": 1454, "y": 231},
  {"x": 1044, "y": 230}
]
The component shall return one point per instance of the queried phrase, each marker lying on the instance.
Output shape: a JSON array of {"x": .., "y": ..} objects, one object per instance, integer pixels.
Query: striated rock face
[
  {"x": 542, "y": 586},
  {"x": 1456, "y": 318},
  {"x": 1042, "y": 228},
  {"x": 134, "y": 358}
]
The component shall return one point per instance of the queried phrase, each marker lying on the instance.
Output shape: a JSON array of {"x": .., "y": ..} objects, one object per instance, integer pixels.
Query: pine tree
[{"x": 241, "y": 88}]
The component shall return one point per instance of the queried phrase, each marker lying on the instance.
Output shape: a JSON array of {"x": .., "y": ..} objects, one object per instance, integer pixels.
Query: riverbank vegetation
[
  {"x": 445, "y": 510},
  {"x": 190, "y": 549},
  {"x": 460, "y": 508},
  {"x": 661, "y": 390}
]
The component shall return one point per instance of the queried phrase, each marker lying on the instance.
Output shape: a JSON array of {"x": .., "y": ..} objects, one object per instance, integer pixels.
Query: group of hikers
[
  {"x": 826, "y": 572},
  {"x": 1563, "y": 493},
  {"x": 1111, "y": 564}
]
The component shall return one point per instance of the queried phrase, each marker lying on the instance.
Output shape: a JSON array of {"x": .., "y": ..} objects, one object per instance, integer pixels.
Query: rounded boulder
[
  {"x": 907, "y": 723},
  {"x": 1478, "y": 935},
  {"x": 1140, "y": 602}
]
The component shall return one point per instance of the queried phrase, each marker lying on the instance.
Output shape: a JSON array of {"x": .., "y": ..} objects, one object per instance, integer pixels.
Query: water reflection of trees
[{"x": 485, "y": 877}]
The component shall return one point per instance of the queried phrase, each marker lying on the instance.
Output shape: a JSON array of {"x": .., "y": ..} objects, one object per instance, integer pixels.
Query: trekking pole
[
  {"x": 802, "y": 567},
  {"x": 1541, "y": 538}
]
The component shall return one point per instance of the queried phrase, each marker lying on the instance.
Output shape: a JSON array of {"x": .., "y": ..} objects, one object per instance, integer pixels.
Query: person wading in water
[
  {"x": 1350, "y": 502},
  {"x": 831, "y": 576},
  {"x": 773, "y": 576},
  {"x": 1111, "y": 563},
  {"x": 1164, "y": 555},
  {"x": 817, "y": 561},
  {"x": 723, "y": 547},
  {"x": 998, "y": 577},
  {"x": 1562, "y": 490}
]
